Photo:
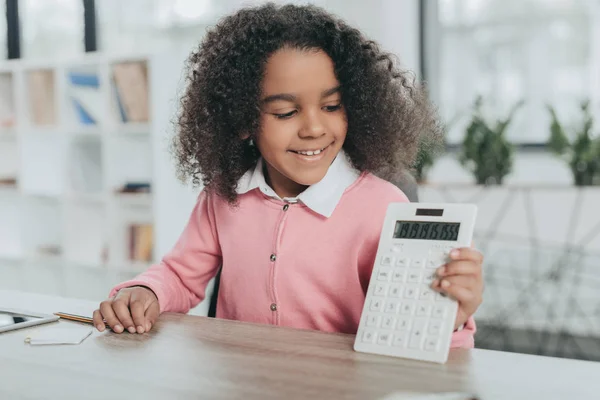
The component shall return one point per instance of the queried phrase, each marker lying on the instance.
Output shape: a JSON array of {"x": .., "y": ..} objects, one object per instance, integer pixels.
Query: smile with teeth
[{"x": 310, "y": 152}]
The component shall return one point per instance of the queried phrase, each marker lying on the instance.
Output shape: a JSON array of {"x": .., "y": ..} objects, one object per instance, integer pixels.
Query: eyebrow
[{"x": 292, "y": 98}]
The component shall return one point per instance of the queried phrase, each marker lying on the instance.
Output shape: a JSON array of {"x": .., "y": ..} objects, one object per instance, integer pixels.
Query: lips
[{"x": 311, "y": 152}]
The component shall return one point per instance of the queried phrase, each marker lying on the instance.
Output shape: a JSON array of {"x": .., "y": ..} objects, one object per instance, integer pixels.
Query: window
[
  {"x": 51, "y": 29},
  {"x": 540, "y": 51}
]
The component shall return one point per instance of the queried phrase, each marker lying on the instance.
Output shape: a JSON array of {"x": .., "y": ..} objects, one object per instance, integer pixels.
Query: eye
[
  {"x": 333, "y": 108},
  {"x": 286, "y": 115}
]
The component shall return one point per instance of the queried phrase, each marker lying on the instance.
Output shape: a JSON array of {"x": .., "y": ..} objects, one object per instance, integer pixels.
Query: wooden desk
[{"x": 187, "y": 357}]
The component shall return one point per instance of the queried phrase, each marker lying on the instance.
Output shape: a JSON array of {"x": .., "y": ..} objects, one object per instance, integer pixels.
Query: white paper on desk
[{"x": 61, "y": 334}]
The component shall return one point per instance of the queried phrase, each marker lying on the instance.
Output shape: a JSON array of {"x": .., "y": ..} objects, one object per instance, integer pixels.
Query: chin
[{"x": 308, "y": 179}]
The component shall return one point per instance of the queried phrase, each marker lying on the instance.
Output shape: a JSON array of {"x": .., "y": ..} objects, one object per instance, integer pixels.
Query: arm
[{"x": 180, "y": 280}]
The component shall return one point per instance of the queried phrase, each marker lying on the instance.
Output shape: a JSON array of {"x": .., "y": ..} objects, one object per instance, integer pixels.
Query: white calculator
[{"x": 402, "y": 316}]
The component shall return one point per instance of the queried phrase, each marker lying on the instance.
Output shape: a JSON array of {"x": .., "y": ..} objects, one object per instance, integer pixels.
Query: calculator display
[{"x": 426, "y": 230}]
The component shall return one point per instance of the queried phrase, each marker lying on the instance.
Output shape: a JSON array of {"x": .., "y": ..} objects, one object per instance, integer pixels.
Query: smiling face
[{"x": 303, "y": 122}]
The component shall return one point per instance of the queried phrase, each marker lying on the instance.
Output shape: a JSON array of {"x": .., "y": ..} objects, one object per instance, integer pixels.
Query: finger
[
  {"x": 137, "y": 312},
  {"x": 152, "y": 314},
  {"x": 98, "y": 321},
  {"x": 465, "y": 281},
  {"x": 109, "y": 315},
  {"x": 459, "y": 268},
  {"x": 466, "y": 253},
  {"x": 121, "y": 308}
]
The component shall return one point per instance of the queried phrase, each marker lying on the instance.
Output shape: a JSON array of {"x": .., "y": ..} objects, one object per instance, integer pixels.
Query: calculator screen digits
[{"x": 426, "y": 230}]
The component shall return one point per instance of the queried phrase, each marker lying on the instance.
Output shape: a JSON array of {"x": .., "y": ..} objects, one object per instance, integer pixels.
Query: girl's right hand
[{"x": 135, "y": 309}]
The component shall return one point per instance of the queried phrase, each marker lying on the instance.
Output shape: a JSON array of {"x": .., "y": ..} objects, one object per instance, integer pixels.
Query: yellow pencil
[{"x": 77, "y": 318}]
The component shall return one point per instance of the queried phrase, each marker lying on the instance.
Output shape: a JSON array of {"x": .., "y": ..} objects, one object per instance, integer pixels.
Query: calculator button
[
  {"x": 411, "y": 293},
  {"x": 426, "y": 294},
  {"x": 415, "y": 276},
  {"x": 417, "y": 334},
  {"x": 431, "y": 344},
  {"x": 407, "y": 308},
  {"x": 416, "y": 339},
  {"x": 384, "y": 274},
  {"x": 439, "y": 311},
  {"x": 447, "y": 250},
  {"x": 395, "y": 291},
  {"x": 388, "y": 322},
  {"x": 429, "y": 276},
  {"x": 391, "y": 306},
  {"x": 423, "y": 310},
  {"x": 400, "y": 340},
  {"x": 403, "y": 262},
  {"x": 369, "y": 336},
  {"x": 418, "y": 263},
  {"x": 397, "y": 248},
  {"x": 435, "y": 327},
  {"x": 403, "y": 324},
  {"x": 376, "y": 305},
  {"x": 434, "y": 263},
  {"x": 373, "y": 320},
  {"x": 399, "y": 275},
  {"x": 440, "y": 296},
  {"x": 387, "y": 260},
  {"x": 380, "y": 289},
  {"x": 385, "y": 339}
]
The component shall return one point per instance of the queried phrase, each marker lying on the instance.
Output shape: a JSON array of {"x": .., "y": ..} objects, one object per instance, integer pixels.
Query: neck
[{"x": 281, "y": 184}]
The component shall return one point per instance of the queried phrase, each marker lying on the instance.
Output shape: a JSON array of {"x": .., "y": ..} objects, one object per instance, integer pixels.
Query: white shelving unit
[{"x": 68, "y": 154}]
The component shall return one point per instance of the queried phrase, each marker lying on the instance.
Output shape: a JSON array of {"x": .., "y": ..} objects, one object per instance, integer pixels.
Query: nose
[{"x": 312, "y": 125}]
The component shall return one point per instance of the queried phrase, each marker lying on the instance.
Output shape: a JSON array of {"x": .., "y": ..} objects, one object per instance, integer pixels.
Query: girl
[{"x": 288, "y": 115}]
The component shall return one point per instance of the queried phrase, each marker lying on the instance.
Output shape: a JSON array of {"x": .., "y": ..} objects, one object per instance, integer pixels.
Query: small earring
[{"x": 250, "y": 142}]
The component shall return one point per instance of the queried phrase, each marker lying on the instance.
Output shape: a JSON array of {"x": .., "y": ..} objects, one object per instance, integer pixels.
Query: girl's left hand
[{"x": 461, "y": 278}]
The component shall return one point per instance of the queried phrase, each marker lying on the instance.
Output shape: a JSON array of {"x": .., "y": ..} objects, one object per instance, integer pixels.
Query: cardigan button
[
  {"x": 285, "y": 208},
  {"x": 273, "y": 257},
  {"x": 273, "y": 307}
]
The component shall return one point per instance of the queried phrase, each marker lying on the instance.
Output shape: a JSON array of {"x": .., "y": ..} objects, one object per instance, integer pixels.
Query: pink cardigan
[{"x": 283, "y": 264}]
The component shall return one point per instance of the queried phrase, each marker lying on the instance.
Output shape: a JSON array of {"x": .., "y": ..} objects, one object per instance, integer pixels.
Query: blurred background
[{"x": 88, "y": 194}]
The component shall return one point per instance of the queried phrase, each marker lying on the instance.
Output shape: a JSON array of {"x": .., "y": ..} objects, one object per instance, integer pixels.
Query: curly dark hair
[{"x": 388, "y": 113}]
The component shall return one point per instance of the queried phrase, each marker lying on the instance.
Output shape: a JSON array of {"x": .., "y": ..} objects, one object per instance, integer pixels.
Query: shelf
[
  {"x": 132, "y": 129},
  {"x": 83, "y": 131},
  {"x": 82, "y": 197},
  {"x": 8, "y": 134},
  {"x": 133, "y": 199}
]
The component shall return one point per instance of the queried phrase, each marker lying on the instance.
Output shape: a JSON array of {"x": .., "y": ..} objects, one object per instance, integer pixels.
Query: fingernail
[
  {"x": 454, "y": 253},
  {"x": 148, "y": 326},
  {"x": 118, "y": 328},
  {"x": 131, "y": 329},
  {"x": 440, "y": 271},
  {"x": 445, "y": 284},
  {"x": 100, "y": 327},
  {"x": 435, "y": 283},
  {"x": 140, "y": 329}
]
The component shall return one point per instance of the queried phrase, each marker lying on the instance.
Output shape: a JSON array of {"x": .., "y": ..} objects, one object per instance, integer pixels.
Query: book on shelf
[
  {"x": 42, "y": 97},
  {"x": 130, "y": 80},
  {"x": 85, "y": 95},
  {"x": 135, "y": 187},
  {"x": 10, "y": 182},
  {"x": 7, "y": 109},
  {"x": 141, "y": 242}
]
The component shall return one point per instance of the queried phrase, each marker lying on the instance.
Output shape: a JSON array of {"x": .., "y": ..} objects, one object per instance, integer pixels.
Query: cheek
[
  {"x": 274, "y": 135},
  {"x": 339, "y": 126}
]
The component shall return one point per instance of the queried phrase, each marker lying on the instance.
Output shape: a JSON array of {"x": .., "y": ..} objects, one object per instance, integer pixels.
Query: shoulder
[
  {"x": 375, "y": 190},
  {"x": 367, "y": 200}
]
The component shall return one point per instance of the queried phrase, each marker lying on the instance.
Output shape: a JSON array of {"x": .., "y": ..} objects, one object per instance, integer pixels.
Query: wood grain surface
[{"x": 187, "y": 357}]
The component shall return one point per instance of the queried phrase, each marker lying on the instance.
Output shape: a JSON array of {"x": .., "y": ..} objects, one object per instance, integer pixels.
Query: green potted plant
[
  {"x": 577, "y": 148},
  {"x": 486, "y": 152}
]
